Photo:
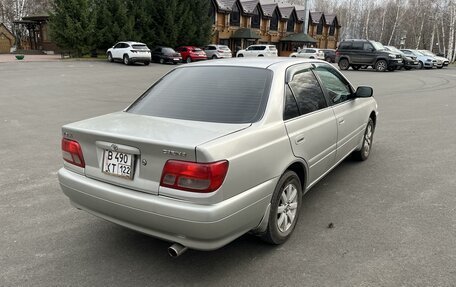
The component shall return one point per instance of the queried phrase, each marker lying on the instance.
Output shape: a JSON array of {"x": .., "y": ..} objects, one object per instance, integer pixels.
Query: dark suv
[{"x": 362, "y": 53}]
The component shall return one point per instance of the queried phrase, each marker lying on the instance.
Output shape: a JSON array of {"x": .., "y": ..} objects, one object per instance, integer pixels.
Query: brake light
[
  {"x": 72, "y": 152},
  {"x": 193, "y": 176},
  {"x": 337, "y": 53}
]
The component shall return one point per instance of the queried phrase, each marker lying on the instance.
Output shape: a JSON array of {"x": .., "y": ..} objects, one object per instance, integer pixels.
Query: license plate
[
  {"x": 118, "y": 164},
  {"x": 176, "y": 59}
]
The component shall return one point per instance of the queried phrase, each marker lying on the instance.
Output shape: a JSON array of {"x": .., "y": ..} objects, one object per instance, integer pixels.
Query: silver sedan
[{"x": 217, "y": 149}]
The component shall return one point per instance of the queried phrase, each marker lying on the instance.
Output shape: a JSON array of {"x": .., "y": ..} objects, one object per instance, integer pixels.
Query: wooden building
[
  {"x": 6, "y": 39},
  {"x": 38, "y": 38},
  {"x": 240, "y": 23}
]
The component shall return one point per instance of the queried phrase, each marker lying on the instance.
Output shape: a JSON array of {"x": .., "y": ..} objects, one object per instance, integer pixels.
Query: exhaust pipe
[{"x": 176, "y": 250}]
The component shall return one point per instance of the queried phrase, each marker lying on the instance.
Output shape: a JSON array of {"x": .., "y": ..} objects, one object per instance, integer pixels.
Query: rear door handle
[{"x": 300, "y": 139}]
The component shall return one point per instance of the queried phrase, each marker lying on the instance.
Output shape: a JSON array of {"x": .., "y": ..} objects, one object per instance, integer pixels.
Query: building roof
[
  {"x": 245, "y": 33},
  {"x": 225, "y": 5},
  {"x": 268, "y": 9},
  {"x": 299, "y": 37},
  {"x": 315, "y": 17},
  {"x": 248, "y": 6},
  {"x": 8, "y": 33},
  {"x": 286, "y": 11}
]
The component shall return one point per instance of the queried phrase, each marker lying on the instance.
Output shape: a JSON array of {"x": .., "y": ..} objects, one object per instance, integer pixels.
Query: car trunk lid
[{"x": 142, "y": 143}]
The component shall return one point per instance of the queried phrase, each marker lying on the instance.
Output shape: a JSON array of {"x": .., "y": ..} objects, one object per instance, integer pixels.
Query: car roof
[
  {"x": 132, "y": 42},
  {"x": 256, "y": 62}
]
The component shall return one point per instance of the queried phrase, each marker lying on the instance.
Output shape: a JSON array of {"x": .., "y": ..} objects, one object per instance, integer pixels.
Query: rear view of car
[
  {"x": 129, "y": 53},
  {"x": 214, "y": 51},
  {"x": 309, "y": 53},
  {"x": 261, "y": 50},
  {"x": 164, "y": 55},
  {"x": 183, "y": 162},
  {"x": 191, "y": 54}
]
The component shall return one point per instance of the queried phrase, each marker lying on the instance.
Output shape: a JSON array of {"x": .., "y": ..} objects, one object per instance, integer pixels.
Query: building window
[
  {"x": 274, "y": 21},
  {"x": 332, "y": 29},
  {"x": 235, "y": 16},
  {"x": 256, "y": 18},
  {"x": 212, "y": 12},
  {"x": 320, "y": 27},
  {"x": 291, "y": 23}
]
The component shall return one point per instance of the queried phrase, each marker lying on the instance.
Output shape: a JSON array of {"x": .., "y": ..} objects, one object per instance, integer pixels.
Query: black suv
[{"x": 363, "y": 53}]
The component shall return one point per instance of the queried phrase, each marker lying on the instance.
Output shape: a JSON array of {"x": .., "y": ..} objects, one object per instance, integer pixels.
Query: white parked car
[
  {"x": 129, "y": 53},
  {"x": 309, "y": 53},
  {"x": 444, "y": 61},
  {"x": 261, "y": 50},
  {"x": 214, "y": 51}
]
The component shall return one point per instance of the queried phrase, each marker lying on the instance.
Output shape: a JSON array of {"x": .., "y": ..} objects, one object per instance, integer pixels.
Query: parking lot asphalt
[{"x": 393, "y": 216}]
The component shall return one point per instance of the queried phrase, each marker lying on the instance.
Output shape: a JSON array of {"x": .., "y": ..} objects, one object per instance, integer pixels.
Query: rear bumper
[
  {"x": 140, "y": 59},
  {"x": 202, "y": 227}
]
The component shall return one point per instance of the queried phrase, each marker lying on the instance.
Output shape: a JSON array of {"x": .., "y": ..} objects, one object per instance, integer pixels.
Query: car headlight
[
  {"x": 428, "y": 60},
  {"x": 392, "y": 56}
]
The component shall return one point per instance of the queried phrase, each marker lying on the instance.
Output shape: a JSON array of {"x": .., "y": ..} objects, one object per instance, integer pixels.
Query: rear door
[{"x": 310, "y": 122}]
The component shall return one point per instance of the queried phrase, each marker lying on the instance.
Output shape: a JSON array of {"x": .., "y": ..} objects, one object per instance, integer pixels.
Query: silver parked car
[{"x": 201, "y": 165}]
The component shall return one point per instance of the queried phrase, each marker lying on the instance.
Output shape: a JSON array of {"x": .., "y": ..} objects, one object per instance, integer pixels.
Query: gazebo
[{"x": 291, "y": 43}]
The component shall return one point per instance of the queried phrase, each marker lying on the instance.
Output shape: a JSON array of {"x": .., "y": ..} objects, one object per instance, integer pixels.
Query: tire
[
  {"x": 343, "y": 64},
  {"x": 260, "y": 55},
  {"x": 126, "y": 60},
  {"x": 161, "y": 61},
  {"x": 294, "y": 56},
  {"x": 188, "y": 60},
  {"x": 356, "y": 67},
  {"x": 328, "y": 59},
  {"x": 285, "y": 208},
  {"x": 439, "y": 67},
  {"x": 214, "y": 57},
  {"x": 368, "y": 138},
  {"x": 381, "y": 66},
  {"x": 420, "y": 65},
  {"x": 110, "y": 59},
  {"x": 240, "y": 55},
  {"x": 146, "y": 63}
]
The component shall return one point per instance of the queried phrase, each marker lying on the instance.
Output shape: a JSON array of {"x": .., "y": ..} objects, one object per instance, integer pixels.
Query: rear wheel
[
  {"x": 285, "y": 207},
  {"x": 343, "y": 64},
  {"x": 368, "y": 138},
  {"x": 146, "y": 63},
  {"x": 126, "y": 60},
  {"x": 240, "y": 55},
  {"x": 381, "y": 66},
  {"x": 214, "y": 57},
  {"x": 260, "y": 55},
  {"x": 162, "y": 61},
  {"x": 328, "y": 59},
  {"x": 189, "y": 60}
]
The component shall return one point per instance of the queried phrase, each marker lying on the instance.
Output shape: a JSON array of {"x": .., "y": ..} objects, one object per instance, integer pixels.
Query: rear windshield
[
  {"x": 224, "y": 48},
  {"x": 140, "y": 47},
  {"x": 168, "y": 50},
  {"x": 210, "y": 94},
  {"x": 273, "y": 48},
  {"x": 196, "y": 50}
]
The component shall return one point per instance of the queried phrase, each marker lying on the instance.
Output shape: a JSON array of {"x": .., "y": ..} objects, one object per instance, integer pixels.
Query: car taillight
[
  {"x": 193, "y": 176},
  {"x": 337, "y": 53},
  {"x": 72, "y": 152},
  {"x": 133, "y": 51}
]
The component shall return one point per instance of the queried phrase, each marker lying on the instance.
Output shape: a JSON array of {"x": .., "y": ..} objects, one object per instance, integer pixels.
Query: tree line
[{"x": 86, "y": 25}]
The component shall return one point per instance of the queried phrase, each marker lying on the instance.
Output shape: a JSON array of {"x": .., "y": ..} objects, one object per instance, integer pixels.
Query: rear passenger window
[
  {"x": 358, "y": 45},
  {"x": 345, "y": 45},
  {"x": 291, "y": 107},
  {"x": 307, "y": 91}
]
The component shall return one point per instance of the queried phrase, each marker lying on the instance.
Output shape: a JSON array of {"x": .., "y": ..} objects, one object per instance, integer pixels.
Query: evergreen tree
[{"x": 72, "y": 24}]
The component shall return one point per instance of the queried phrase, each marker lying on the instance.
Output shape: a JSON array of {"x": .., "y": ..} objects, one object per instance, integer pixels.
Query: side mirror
[{"x": 364, "y": 92}]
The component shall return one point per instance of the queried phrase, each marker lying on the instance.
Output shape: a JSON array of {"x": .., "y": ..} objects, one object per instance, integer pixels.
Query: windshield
[
  {"x": 228, "y": 95},
  {"x": 394, "y": 49},
  {"x": 168, "y": 51},
  {"x": 377, "y": 45},
  {"x": 427, "y": 53},
  {"x": 140, "y": 47}
]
